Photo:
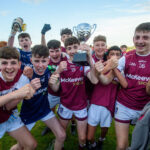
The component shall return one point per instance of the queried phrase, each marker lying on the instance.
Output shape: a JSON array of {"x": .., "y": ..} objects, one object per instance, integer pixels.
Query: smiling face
[
  {"x": 141, "y": 41},
  {"x": 9, "y": 68},
  {"x": 71, "y": 50},
  {"x": 40, "y": 64},
  {"x": 55, "y": 54},
  {"x": 25, "y": 43},
  {"x": 99, "y": 48}
]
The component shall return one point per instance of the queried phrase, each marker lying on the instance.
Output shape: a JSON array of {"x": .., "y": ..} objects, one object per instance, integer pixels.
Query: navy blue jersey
[
  {"x": 38, "y": 106},
  {"x": 25, "y": 58}
]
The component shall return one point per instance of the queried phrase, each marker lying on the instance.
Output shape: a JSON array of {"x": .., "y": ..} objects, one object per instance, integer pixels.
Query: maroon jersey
[
  {"x": 89, "y": 86},
  {"x": 7, "y": 87},
  {"x": 50, "y": 91},
  {"x": 105, "y": 95},
  {"x": 72, "y": 82},
  {"x": 63, "y": 49},
  {"x": 137, "y": 73},
  {"x": 131, "y": 52}
]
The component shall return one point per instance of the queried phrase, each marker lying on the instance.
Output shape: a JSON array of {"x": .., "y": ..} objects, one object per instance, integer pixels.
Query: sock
[{"x": 101, "y": 139}]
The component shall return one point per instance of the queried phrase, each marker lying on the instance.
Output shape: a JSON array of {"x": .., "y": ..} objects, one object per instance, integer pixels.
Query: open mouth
[{"x": 25, "y": 46}]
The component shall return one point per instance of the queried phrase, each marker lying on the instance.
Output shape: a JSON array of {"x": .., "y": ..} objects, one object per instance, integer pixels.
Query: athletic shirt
[
  {"x": 7, "y": 87},
  {"x": 50, "y": 91},
  {"x": 137, "y": 73},
  {"x": 25, "y": 58},
  {"x": 104, "y": 95},
  {"x": 72, "y": 80},
  {"x": 88, "y": 85},
  {"x": 38, "y": 106},
  {"x": 63, "y": 49}
]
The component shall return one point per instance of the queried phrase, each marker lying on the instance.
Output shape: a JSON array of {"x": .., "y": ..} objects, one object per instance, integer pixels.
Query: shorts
[
  {"x": 13, "y": 123},
  {"x": 66, "y": 114},
  {"x": 124, "y": 114},
  {"x": 47, "y": 117},
  {"x": 99, "y": 115},
  {"x": 53, "y": 100}
]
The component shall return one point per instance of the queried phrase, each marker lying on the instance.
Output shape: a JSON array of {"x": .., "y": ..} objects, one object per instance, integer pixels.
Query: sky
[{"x": 116, "y": 19}]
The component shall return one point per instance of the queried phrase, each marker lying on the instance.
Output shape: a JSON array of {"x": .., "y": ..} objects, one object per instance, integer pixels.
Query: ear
[
  {"x": 31, "y": 59},
  {"x": 19, "y": 64}
]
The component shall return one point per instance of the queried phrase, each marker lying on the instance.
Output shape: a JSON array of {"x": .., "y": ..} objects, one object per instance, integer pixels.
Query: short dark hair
[
  {"x": 71, "y": 40},
  {"x": 99, "y": 38},
  {"x": 115, "y": 48},
  {"x": 9, "y": 53},
  {"x": 123, "y": 46},
  {"x": 53, "y": 44},
  {"x": 143, "y": 27},
  {"x": 40, "y": 51},
  {"x": 65, "y": 31},
  {"x": 112, "y": 48},
  {"x": 24, "y": 35}
]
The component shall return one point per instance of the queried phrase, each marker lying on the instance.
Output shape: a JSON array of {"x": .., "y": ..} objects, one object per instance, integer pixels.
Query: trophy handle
[
  {"x": 94, "y": 28},
  {"x": 75, "y": 30}
]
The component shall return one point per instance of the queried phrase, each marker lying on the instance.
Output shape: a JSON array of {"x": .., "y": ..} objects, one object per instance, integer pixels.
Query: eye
[
  {"x": 145, "y": 37},
  {"x": 13, "y": 62},
  {"x": 4, "y": 63},
  {"x": 137, "y": 37},
  {"x": 75, "y": 47}
]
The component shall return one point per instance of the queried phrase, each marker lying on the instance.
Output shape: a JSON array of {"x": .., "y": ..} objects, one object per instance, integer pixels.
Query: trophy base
[{"x": 80, "y": 59}]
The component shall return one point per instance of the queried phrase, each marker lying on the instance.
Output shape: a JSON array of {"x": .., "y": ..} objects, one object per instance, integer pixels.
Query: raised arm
[
  {"x": 148, "y": 87},
  {"x": 54, "y": 82},
  {"x": 123, "y": 82},
  {"x": 45, "y": 28},
  {"x": 11, "y": 99}
]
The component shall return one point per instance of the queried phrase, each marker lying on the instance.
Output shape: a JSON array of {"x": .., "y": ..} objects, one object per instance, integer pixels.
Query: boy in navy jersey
[
  {"x": 37, "y": 108},
  {"x": 25, "y": 43},
  {"x": 13, "y": 88},
  {"x": 72, "y": 95},
  {"x": 130, "y": 101}
]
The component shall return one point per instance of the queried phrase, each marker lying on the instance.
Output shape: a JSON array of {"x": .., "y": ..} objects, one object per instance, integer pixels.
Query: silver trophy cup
[{"x": 83, "y": 31}]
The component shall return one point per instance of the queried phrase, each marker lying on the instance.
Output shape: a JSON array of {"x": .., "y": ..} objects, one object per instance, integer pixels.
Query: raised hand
[
  {"x": 112, "y": 63},
  {"x": 28, "y": 71},
  {"x": 54, "y": 79},
  {"x": 62, "y": 67},
  {"x": 99, "y": 66},
  {"x": 35, "y": 83},
  {"x": 26, "y": 92},
  {"x": 45, "y": 28}
]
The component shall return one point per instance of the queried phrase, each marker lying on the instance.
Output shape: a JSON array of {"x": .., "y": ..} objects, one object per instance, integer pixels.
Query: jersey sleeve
[
  {"x": 23, "y": 81},
  {"x": 121, "y": 64}
]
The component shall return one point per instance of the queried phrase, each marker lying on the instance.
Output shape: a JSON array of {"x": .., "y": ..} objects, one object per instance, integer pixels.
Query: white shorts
[
  {"x": 99, "y": 115},
  {"x": 66, "y": 114},
  {"x": 124, "y": 114},
  {"x": 53, "y": 100},
  {"x": 13, "y": 123},
  {"x": 47, "y": 117}
]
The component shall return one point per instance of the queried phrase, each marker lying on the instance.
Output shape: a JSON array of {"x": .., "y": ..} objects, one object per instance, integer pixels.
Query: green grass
[{"x": 71, "y": 142}]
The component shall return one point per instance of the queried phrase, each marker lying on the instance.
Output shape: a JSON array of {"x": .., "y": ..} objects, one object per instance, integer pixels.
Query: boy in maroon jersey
[
  {"x": 65, "y": 33},
  {"x": 103, "y": 100},
  {"x": 12, "y": 91},
  {"x": 148, "y": 87},
  {"x": 72, "y": 82},
  {"x": 130, "y": 101}
]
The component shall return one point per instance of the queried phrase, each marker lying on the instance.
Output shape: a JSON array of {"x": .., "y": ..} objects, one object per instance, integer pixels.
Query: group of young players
[{"x": 112, "y": 86}]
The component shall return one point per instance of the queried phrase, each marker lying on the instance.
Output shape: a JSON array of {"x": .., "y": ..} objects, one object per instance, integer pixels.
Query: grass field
[{"x": 71, "y": 142}]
